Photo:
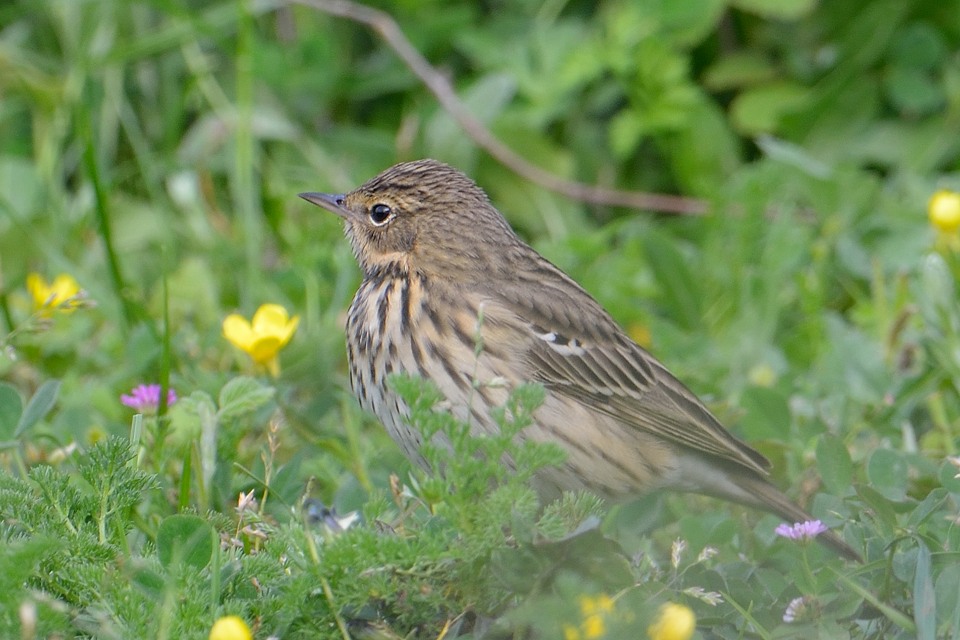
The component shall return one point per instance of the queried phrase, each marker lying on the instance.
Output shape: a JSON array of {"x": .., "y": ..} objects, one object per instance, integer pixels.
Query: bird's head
[{"x": 422, "y": 216}]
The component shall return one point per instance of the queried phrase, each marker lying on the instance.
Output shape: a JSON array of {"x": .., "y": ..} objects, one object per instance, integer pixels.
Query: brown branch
[{"x": 388, "y": 29}]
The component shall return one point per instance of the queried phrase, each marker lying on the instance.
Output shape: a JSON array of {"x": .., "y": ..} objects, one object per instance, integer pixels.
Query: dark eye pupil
[{"x": 379, "y": 213}]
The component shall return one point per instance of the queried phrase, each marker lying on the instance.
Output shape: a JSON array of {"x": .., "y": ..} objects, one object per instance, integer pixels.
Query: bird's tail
[{"x": 764, "y": 495}]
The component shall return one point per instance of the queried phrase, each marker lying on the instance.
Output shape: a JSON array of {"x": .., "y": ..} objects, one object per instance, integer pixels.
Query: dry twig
[{"x": 388, "y": 29}]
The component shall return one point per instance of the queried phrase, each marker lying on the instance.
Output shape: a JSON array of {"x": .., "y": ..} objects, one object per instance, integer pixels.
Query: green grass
[{"x": 153, "y": 151}]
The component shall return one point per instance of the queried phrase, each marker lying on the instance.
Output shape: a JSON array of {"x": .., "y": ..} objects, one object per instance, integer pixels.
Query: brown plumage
[{"x": 436, "y": 256}]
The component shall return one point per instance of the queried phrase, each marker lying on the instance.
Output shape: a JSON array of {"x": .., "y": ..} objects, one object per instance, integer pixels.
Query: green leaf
[
  {"x": 241, "y": 396},
  {"x": 891, "y": 613},
  {"x": 927, "y": 507},
  {"x": 777, "y": 9},
  {"x": 767, "y": 414},
  {"x": 149, "y": 582},
  {"x": 39, "y": 405},
  {"x": 887, "y": 473},
  {"x": 679, "y": 291},
  {"x": 20, "y": 559},
  {"x": 485, "y": 99},
  {"x": 704, "y": 153},
  {"x": 21, "y": 185},
  {"x": 185, "y": 540},
  {"x": 184, "y": 416},
  {"x": 518, "y": 569},
  {"x": 925, "y": 601},
  {"x": 834, "y": 463},
  {"x": 947, "y": 591},
  {"x": 793, "y": 155},
  {"x": 938, "y": 293},
  {"x": 738, "y": 69},
  {"x": 919, "y": 45},
  {"x": 11, "y": 407},
  {"x": 915, "y": 92},
  {"x": 760, "y": 109},
  {"x": 626, "y": 131},
  {"x": 883, "y": 512},
  {"x": 948, "y": 477},
  {"x": 686, "y": 23},
  {"x": 703, "y": 529}
]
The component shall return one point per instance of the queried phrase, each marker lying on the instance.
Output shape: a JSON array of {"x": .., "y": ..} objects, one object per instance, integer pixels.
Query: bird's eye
[{"x": 379, "y": 214}]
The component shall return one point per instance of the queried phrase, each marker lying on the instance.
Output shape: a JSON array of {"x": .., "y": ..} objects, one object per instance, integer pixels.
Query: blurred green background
[{"x": 154, "y": 150}]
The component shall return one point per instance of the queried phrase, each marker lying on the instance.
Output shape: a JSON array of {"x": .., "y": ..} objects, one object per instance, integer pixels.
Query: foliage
[{"x": 152, "y": 152}]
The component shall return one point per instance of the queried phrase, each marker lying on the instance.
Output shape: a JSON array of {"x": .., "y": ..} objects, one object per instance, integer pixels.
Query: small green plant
[
  {"x": 149, "y": 161},
  {"x": 434, "y": 554}
]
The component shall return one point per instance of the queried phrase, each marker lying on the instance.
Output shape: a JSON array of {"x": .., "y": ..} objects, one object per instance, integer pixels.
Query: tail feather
[
  {"x": 764, "y": 495},
  {"x": 723, "y": 479}
]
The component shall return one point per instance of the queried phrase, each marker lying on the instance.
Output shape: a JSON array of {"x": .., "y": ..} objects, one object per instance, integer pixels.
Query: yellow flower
[
  {"x": 96, "y": 434},
  {"x": 762, "y": 375},
  {"x": 270, "y": 331},
  {"x": 230, "y": 628},
  {"x": 676, "y": 622},
  {"x": 640, "y": 333},
  {"x": 57, "y": 295},
  {"x": 570, "y": 632},
  {"x": 944, "y": 210},
  {"x": 601, "y": 604},
  {"x": 594, "y": 624}
]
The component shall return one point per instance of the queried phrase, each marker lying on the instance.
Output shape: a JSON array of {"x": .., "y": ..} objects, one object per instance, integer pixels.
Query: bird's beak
[{"x": 332, "y": 202}]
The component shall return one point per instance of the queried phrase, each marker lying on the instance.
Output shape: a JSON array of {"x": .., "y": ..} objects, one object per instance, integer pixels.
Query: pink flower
[
  {"x": 801, "y": 531},
  {"x": 145, "y": 398}
]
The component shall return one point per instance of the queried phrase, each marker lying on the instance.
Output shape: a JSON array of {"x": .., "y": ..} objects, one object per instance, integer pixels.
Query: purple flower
[
  {"x": 801, "y": 531},
  {"x": 145, "y": 398}
]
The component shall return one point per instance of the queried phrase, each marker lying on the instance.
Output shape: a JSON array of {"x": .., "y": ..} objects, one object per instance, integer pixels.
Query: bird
[{"x": 443, "y": 268}]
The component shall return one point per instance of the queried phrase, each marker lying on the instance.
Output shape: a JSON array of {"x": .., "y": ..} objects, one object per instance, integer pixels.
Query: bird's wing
[
  {"x": 575, "y": 348},
  {"x": 626, "y": 383}
]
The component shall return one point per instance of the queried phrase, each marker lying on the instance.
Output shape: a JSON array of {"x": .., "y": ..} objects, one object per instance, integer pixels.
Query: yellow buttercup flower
[
  {"x": 230, "y": 628},
  {"x": 676, "y": 622},
  {"x": 600, "y": 604},
  {"x": 271, "y": 329},
  {"x": 944, "y": 210},
  {"x": 58, "y": 295},
  {"x": 594, "y": 624}
]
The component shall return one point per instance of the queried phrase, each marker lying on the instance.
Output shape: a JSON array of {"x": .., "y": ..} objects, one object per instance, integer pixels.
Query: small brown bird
[{"x": 436, "y": 257}]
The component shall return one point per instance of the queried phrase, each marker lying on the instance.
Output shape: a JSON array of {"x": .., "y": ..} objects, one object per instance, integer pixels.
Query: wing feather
[
  {"x": 602, "y": 377},
  {"x": 604, "y": 369}
]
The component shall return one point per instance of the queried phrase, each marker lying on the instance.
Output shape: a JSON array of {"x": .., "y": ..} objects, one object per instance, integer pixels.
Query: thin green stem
[
  {"x": 164, "y": 366},
  {"x": 941, "y": 420},
  {"x": 895, "y": 616},
  {"x": 17, "y": 453},
  {"x": 55, "y": 503},
  {"x": 5, "y": 314},
  {"x": 758, "y": 629},
  {"x": 807, "y": 571},
  {"x": 244, "y": 195},
  {"x": 136, "y": 439},
  {"x": 102, "y": 514},
  {"x": 216, "y": 561},
  {"x": 328, "y": 593},
  {"x": 103, "y": 213},
  {"x": 185, "y": 480},
  {"x": 352, "y": 431}
]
